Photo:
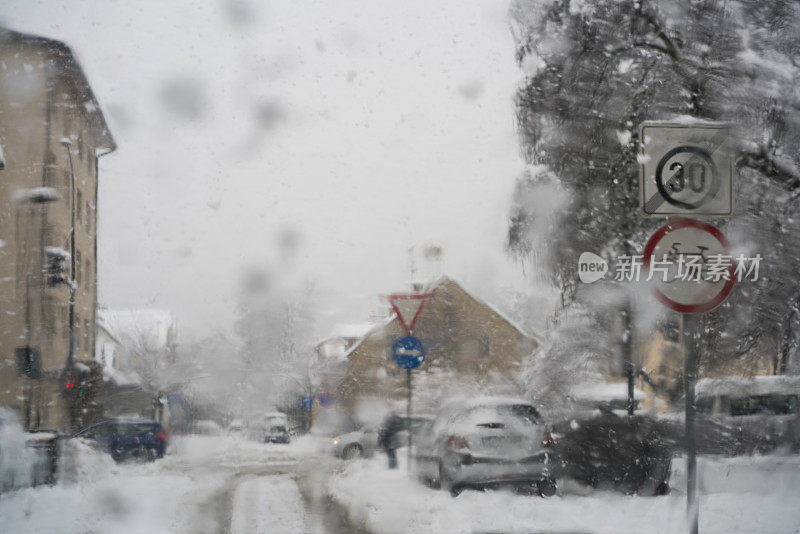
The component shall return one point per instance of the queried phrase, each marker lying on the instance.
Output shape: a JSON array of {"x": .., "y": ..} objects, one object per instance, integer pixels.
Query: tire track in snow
[{"x": 268, "y": 505}]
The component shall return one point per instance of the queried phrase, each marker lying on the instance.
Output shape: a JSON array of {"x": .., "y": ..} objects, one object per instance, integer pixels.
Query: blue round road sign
[
  {"x": 325, "y": 399},
  {"x": 408, "y": 352}
]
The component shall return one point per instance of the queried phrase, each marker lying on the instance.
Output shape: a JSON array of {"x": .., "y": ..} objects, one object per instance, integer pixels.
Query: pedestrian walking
[{"x": 388, "y": 438}]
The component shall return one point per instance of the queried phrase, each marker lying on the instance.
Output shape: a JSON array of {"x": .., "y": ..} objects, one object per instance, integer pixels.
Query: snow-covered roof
[
  {"x": 352, "y": 330},
  {"x": 155, "y": 327},
  {"x": 733, "y": 386},
  {"x": 604, "y": 392}
]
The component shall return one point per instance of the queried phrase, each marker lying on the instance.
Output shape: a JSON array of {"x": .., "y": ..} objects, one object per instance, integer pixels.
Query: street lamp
[
  {"x": 28, "y": 357},
  {"x": 66, "y": 143}
]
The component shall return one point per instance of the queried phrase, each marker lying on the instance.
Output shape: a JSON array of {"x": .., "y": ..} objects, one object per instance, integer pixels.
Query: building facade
[{"x": 52, "y": 134}]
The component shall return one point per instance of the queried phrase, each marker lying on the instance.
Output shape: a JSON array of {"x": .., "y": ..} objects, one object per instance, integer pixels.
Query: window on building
[
  {"x": 78, "y": 206},
  {"x": 87, "y": 275}
]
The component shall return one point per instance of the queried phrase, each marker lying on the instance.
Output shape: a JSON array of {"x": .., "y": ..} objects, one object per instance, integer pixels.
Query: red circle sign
[{"x": 692, "y": 297}]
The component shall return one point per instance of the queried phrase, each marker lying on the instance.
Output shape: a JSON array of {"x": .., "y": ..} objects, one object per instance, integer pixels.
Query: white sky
[{"x": 384, "y": 124}]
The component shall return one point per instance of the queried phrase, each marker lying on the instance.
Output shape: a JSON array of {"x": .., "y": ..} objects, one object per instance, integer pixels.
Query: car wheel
[
  {"x": 446, "y": 484},
  {"x": 352, "y": 451},
  {"x": 546, "y": 487},
  {"x": 117, "y": 455}
]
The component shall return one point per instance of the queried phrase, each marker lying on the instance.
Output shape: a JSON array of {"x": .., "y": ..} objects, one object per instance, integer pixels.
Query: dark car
[
  {"x": 277, "y": 434},
  {"x": 140, "y": 440}
]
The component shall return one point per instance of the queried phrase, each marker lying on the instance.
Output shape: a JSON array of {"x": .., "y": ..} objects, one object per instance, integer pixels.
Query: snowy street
[
  {"x": 211, "y": 485},
  {"x": 453, "y": 267},
  {"x": 205, "y": 485}
]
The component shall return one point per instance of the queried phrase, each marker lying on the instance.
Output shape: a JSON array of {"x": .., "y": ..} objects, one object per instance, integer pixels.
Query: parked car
[
  {"x": 361, "y": 442},
  {"x": 140, "y": 440},
  {"x": 364, "y": 441},
  {"x": 206, "y": 427},
  {"x": 738, "y": 415},
  {"x": 236, "y": 427},
  {"x": 277, "y": 434},
  {"x": 486, "y": 443}
]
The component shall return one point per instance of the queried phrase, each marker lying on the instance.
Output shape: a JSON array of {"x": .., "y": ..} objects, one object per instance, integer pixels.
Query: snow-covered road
[
  {"x": 206, "y": 485},
  {"x": 213, "y": 485}
]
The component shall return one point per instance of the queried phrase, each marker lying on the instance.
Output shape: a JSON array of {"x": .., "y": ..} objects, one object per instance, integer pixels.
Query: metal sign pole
[
  {"x": 690, "y": 376},
  {"x": 408, "y": 416},
  {"x": 627, "y": 334}
]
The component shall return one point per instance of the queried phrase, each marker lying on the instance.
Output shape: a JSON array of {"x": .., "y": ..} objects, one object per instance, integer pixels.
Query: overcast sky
[{"x": 353, "y": 129}]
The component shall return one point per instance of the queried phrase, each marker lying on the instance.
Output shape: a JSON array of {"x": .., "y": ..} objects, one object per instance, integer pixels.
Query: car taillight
[
  {"x": 161, "y": 435},
  {"x": 548, "y": 439},
  {"x": 456, "y": 442}
]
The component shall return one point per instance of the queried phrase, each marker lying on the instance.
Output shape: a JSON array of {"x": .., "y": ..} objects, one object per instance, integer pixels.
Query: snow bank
[
  {"x": 390, "y": 502},
  {"x": 94, "y": 494},
  {"x": 268, "y": 505},
  {"x": 16, "y": 459},
  {"x": 765, "y": 475}
]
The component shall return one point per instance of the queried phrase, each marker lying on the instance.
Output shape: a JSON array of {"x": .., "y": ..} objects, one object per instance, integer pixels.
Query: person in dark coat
[{"x": 388, "y": 438}]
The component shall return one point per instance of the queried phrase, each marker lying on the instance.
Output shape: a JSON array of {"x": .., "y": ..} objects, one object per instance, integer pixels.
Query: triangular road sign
[{"x": 407, "y": 306}]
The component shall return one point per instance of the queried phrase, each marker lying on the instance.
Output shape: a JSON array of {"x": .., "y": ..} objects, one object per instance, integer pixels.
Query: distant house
[
  {"x": 132, "y": 347},
  {"x": 471, "y": 348},
  {"x": 144, "y": 339},
  {"x": 121, "y": 393}
]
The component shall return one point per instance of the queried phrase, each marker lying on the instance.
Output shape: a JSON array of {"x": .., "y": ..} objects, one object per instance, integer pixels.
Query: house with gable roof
[{"x": 471, "y": 348}]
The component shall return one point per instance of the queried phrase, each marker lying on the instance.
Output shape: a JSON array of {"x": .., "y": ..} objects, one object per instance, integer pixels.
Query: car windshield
[{"x": 400, "y": 266}]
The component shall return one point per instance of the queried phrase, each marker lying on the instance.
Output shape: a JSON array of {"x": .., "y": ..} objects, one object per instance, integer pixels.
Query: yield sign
[{"x": 408, "y": 306}]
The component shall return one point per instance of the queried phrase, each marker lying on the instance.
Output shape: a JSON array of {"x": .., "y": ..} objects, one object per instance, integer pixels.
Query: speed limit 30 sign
[{"x": 685, "y": 169}]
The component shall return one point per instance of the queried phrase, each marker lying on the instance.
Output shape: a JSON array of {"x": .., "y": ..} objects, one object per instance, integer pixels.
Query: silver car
[
  {"x": 485, "y": 443},
  {"x": 364, "y": 441},
  {"x": 361, "y": 442}
]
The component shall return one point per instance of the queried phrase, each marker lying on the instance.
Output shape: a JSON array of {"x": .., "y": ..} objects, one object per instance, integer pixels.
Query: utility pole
[
  {"x": 408, "y": 416},
  {"x": 627, "y": 350},
  {"x": 690, "y": 377},
  {"x": 72, "y": 340}
]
